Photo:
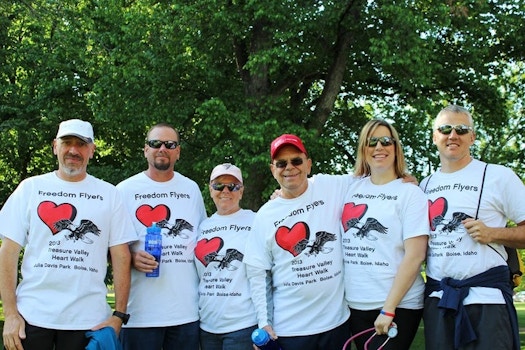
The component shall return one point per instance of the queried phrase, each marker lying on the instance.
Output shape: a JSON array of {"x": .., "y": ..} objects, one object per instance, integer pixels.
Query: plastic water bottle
[
  {"x": 262, "y": 339},
  {"x": 153, "y": 246}
]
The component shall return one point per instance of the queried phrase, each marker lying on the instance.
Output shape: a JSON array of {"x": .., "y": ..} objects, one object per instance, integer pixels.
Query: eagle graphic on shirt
[
  {"x": 176, "y": 228},
  {"x": 207, "y": 251},
  {"x": 351, "y": 219},
  {"x": 161, "y": 215},
  {"x": 60, "y": 217},
  {"x": 318, "y": 246},
  {"x": 437, "y": 211},
  {"x": 78, "y": 232},
  {"x": 296, "y": 239}
]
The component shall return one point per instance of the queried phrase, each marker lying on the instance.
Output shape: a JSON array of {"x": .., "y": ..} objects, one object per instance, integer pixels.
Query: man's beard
[
  {"x": 72, "y": 171},
  {"x": 161, "y": 166},
  {"x": 75, "y": 169}
]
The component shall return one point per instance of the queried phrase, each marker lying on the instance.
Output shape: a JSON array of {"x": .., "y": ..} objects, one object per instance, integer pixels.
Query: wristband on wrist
[
  {"x": 386, "y": 313},
  {"x": 124, "y": 317}
]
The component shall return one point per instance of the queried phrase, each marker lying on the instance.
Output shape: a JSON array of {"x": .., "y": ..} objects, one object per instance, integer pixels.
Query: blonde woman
[{"x": 385, "y": 235}]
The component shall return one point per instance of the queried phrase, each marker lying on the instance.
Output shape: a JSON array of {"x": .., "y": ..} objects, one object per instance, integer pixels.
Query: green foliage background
[{"x": 232, "y": 75}]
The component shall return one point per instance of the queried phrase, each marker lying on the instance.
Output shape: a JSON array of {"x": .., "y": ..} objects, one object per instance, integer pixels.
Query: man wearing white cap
[
  {"x": 66, "y": 221},
  {"x": 165, "y": 308},
  {"x": 227, "y": 314}
]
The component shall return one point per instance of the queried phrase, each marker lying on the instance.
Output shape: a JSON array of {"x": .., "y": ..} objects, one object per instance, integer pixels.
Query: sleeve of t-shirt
[
  {"x": 122, "y": 229},
  {"x": 261, "y": 294},
  {"x": 415, "y": 217},
  {"x": 202, "y": 209},
  {"x": 258, "y": 261},
  {"x": 258, "y": 249},
  {"x": 15, "y": 225},
  {"x": 339, "y": 185},
  {"x": 513, "y": 192}
]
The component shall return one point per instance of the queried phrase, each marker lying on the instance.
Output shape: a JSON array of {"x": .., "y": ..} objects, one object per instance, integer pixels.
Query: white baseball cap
[
  {"x": 226, "y": 169},
  {"x": 78, "y": 128}
]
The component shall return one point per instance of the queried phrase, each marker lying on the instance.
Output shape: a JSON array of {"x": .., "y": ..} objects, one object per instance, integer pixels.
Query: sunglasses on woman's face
[
  {"x": 384, "y": 140},
  {"x": 461, "y": 129},
  {"x": 231, "y": 187}
]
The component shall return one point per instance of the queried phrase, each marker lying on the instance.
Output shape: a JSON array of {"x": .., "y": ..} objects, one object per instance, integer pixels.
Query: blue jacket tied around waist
[{"x": 455, "y": 291}]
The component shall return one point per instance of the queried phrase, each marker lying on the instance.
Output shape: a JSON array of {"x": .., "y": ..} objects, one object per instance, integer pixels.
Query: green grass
[
  {"x": 419, "y": 343},
  {"x": 520, "y": 307}
]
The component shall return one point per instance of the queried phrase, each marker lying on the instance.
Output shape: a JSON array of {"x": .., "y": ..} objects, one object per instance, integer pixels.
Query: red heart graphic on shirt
[
  {"x": 293, "y": 239},
  {"x": 436, "y": 209},
  {"x": 352, "y": 213},
  {"x": 206, "y": 250},
  {"x": 146, "y": 214},
  {"x": 50, "y": 214}
]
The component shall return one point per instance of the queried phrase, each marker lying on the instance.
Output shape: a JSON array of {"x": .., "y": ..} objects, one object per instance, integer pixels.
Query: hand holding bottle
[
  {"x": 262, "y": 340},
  {"x": 143, "y": 261},
  {"x": 153, "y": 246}
]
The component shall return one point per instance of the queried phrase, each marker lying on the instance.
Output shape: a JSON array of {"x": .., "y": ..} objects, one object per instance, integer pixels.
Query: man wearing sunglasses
[
  {"x": 469, "y": 296},
  {"x": 164, "y": 308},
  {"x": 295, "y": 252},
  {"x": 68, "y": 222}
]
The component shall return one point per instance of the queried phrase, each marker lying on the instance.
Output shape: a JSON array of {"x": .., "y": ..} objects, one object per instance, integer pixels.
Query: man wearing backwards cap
[
  {"x": 227, "y": 315},
  {"x": 165, "y": 309},
  {"x": 295, "y": 249},
  {"x": 66, "y": 220}
]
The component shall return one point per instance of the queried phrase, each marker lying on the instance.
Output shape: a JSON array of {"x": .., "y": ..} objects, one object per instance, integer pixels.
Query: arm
[
  {"x": 415, "y": 254},
  {"x": 410, "y": 179},
  {"x": 261, "y": 293},
  {"x": 121, "y": 263},
  {"x": 513, "y": 237},
  {"x": 14, "y": 326},
  {"x": 508, "y": 191}
]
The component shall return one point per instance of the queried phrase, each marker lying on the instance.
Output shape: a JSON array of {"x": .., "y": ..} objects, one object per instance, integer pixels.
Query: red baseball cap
[{"x": 286, "y": 139}]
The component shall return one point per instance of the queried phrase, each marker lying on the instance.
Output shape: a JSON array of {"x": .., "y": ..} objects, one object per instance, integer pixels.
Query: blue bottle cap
[
  {"x": 260, "y": 337},
  {"x": 153, "y": 228}
]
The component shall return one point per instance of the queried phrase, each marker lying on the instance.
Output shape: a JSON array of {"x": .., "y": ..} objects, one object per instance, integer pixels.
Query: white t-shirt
[
  {"x": 66, "y": 229},
  {"x": 454, "y": 196},
  {"x": 299, "y": 241},
  {"x": 172, "y": 298},
  {"x": 225, "y": 304},
  {"x": 376, "y": 221}
]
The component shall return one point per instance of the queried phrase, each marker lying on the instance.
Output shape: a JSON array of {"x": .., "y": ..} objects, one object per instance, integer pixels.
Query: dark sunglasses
[
  {"x": 159, "y": 143},
  {"x": 461, "y": 129},
  {"x": 231, "y": 187},
  {"x": 294, "y": 161},
  {"x": 385, "y": 141}
]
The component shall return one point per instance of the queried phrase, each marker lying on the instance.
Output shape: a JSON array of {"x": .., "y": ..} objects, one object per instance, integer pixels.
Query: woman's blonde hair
[{"x": 362, "y": 168}]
